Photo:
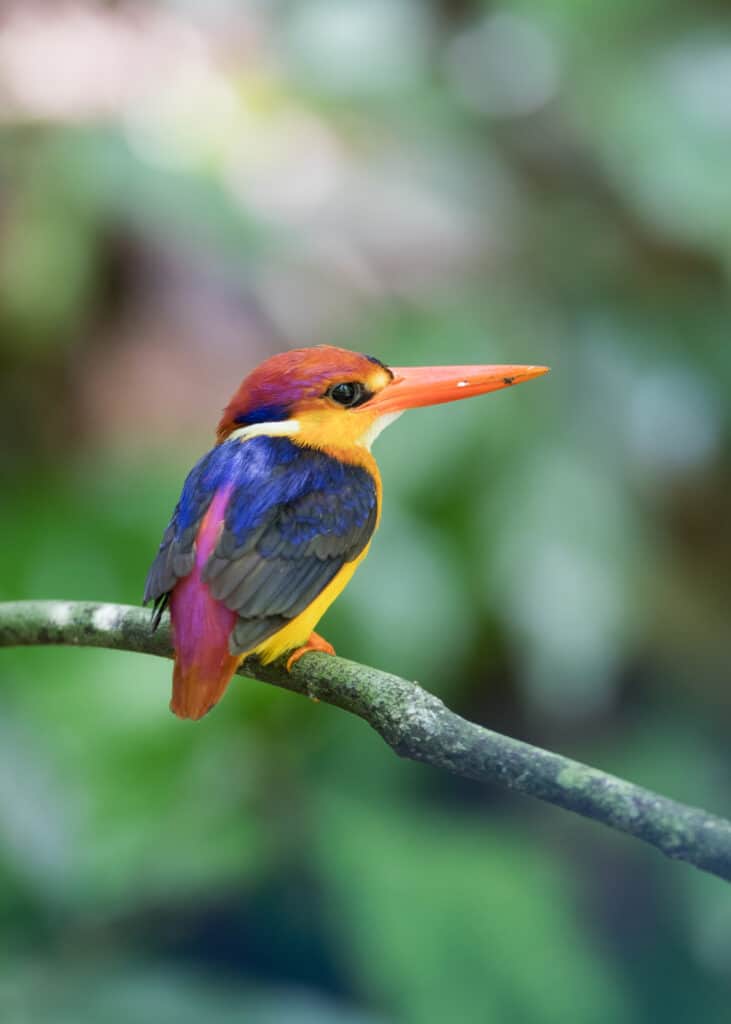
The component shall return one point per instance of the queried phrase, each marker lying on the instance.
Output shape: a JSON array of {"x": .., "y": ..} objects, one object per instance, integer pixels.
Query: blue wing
[{"x": 294, "y": 518}]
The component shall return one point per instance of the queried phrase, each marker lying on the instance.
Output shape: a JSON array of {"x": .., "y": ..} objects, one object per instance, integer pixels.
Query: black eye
[{"x": 348, "y": 394}]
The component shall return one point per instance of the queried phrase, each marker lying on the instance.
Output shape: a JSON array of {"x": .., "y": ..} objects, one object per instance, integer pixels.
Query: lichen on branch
[{"x": 415, "y": 724}]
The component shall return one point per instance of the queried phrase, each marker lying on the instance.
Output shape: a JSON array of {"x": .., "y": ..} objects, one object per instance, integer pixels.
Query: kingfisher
[{"x": 272, "y": 523}]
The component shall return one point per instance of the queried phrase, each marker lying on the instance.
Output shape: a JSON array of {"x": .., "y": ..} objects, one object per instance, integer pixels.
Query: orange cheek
[{"x": 331, "y": 428}]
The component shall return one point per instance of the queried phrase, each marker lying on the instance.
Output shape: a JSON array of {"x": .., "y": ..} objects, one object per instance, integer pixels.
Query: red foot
[{"x": 315, "y": 643}]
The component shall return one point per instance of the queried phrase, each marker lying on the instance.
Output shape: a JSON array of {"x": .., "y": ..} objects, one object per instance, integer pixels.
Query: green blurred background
[{"x": 188, "y": 187}]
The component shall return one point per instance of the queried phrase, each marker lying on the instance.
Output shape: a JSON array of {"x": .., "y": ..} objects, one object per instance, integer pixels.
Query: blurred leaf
[
  {"x": 119, "y": 994},
  {"x": 441, "y": 920}
]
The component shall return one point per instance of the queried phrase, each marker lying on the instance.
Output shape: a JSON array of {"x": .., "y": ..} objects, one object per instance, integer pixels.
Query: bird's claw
[{"x": 315, "y": 643}]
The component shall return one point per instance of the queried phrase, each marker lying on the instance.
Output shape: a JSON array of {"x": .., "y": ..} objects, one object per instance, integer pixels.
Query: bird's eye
[{"x": 348, "y": 394}]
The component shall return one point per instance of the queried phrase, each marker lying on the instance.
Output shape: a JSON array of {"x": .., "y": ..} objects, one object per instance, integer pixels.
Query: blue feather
[
  {"x": 295, "y": 516},
  {"x": 271, "y": 471},
  {"x": 262, "y": 414}
]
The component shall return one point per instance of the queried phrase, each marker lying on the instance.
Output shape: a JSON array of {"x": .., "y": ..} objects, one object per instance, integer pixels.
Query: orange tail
[
  {"x": 203, "y": 664},
  {"x": 201, "y": 630},
  {"x": 198, "y": 687}
]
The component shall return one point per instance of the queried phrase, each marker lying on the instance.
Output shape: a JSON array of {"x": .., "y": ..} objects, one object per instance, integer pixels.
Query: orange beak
[{"x": 414, "y": 386}]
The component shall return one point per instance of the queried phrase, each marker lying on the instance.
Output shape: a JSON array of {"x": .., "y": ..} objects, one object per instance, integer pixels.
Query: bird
[{"x": 274, "y": 520}]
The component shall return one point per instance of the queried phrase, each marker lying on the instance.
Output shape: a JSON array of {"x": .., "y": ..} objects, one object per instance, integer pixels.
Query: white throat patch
[
  {"x": 279, "y": 428},
  {"x": 377, "y": 427}
]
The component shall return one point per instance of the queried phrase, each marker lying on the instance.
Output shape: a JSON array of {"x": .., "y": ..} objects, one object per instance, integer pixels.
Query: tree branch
[{"x": 415, "y": 724}]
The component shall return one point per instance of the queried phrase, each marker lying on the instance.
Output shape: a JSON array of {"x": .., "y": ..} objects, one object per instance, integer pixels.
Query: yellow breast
[{"x": 297, "y": 632}]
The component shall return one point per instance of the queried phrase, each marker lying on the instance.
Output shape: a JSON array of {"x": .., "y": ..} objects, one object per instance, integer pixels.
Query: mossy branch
[{"x": 415, "y": 724}]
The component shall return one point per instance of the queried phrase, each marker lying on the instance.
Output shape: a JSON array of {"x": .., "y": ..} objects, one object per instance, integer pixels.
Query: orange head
[{"x": 330, "y": 397}]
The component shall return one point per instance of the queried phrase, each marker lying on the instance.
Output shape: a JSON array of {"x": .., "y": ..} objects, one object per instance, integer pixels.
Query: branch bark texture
[{"x": 415, "y": 724}]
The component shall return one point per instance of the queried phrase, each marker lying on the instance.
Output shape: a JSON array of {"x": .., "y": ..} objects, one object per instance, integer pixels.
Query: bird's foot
[{"x": 315, "y": 643}]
